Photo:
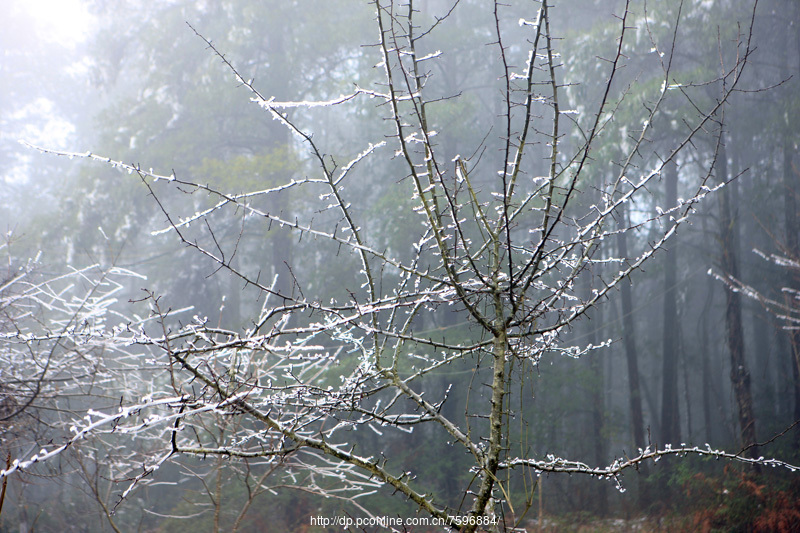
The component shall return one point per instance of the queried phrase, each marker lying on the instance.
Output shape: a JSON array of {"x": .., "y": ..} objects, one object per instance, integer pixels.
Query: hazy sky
[{"x": 64, "y": 21}]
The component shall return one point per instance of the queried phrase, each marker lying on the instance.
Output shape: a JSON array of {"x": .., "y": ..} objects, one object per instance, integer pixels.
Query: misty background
[{"x": 132, "y": 81}]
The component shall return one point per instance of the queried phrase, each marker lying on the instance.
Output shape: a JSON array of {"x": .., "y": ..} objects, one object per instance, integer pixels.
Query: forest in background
[{"x": 663, "y": 358}]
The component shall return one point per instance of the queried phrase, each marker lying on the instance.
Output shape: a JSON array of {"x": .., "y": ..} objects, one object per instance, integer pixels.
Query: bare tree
[
  {"x": 56, "y": 363},
  {"x": 50, "y": 325},
  {"x": 502, "y": 246}
]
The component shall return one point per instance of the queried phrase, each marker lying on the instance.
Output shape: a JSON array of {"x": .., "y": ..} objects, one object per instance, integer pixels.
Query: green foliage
[{"x": 248, "y": 173}]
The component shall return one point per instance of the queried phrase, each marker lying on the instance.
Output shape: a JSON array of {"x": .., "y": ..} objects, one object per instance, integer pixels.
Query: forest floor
[
  {"x": 591, "y": 525},
  {"x": 584, "y": 524}
]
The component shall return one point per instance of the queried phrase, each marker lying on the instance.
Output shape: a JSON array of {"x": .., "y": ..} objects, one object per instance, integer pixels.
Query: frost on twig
[{"x": 500, "y": 241}]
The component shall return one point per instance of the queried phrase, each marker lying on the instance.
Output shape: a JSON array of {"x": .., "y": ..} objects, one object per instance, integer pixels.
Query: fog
[{"x": 290, "y": 265}]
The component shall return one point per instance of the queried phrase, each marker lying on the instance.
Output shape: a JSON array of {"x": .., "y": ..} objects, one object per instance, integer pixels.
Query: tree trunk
[
  {"x": 670, "y": 418},
  {"x": 793, "y": 277},
  {"x": 629, "y": 338},
  {"x": 482, "y": 504},
  {"x": 709, "y": 385},
  {"x": 740, "y": 377},
  {"x": 790, "y": 184},
  {"x": 596, "y": 386}
]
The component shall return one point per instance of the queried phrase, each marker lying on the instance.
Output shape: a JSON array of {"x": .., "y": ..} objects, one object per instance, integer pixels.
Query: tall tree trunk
[
  {"x": 670, "y": 418},
  {"x": 790, "y": 185},
  {"x": 629, "y": 338},
  {"x": 281, "y": 242},
  {"x": 740, "y": 377},
  {"x": 596, "y": 384},
  {"x": 708, "y": 376}
]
